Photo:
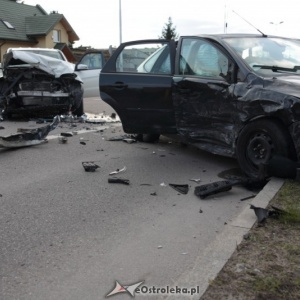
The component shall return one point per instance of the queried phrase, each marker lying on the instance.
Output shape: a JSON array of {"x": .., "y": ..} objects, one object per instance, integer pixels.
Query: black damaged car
[
  {"x": 235, "y": 95},
  {"x": 37, "y": 85}
]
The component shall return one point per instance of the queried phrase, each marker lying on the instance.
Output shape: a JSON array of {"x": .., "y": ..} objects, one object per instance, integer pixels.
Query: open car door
[{"x": 137, "y": 83}]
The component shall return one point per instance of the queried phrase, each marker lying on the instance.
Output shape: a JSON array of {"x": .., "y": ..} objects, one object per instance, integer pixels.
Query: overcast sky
[{"x": 96, "y": 22}]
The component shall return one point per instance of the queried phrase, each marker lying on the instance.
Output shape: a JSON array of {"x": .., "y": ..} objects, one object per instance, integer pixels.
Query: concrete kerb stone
[{"x": 210, "y": 262}]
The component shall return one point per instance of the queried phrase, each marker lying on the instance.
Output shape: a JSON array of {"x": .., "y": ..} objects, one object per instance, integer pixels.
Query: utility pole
[{"x": 120, "y": 20}]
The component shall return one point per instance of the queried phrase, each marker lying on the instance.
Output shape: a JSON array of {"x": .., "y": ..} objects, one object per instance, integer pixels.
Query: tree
[{"x": 169, "y": 31}]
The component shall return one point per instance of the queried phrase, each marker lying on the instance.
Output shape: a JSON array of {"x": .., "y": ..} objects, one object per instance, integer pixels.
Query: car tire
[
  {"x": 258, "y": 142},
  {"x": 150, "y": 137},
  {"x": 79, "y": 111}
]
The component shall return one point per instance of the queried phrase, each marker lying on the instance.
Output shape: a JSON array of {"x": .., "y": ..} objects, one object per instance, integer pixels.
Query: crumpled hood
[
  {"x": 289, "y": 85},
  {"x": 50, "y": 65}
]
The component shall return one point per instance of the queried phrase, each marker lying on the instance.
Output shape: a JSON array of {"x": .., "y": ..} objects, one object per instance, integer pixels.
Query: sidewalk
[{"x": 211, "y": 262}]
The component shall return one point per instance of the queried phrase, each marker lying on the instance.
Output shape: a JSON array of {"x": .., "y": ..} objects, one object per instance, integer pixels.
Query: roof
[{"x": 29, "y": 21}]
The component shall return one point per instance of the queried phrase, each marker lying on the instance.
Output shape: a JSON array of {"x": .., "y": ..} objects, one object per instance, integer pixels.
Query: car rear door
[{"x": 137, "y": 82}]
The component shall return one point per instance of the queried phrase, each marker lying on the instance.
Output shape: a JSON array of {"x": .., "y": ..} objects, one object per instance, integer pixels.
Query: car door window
[
  {"x": 93, "y": 61},
  {"x": 145, "y": 58},
  {"x": 200, "y": 58}
]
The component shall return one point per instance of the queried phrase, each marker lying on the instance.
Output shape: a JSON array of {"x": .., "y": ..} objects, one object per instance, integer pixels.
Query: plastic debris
[
  {"x": 102, "y": 118},
  {"x": 163, "y": 184},
  {"x": 90, "y": 166},
  {"x": 196, "y": 180},
  {"x": 118, "y": 180},
  {"x": 62, "y": 139},
  {"x": 181, "y": 188},
  {"x": 118, "y": 171},
  {"x": 129, "y": 141},
  {"x": 66, "y": 134},
  {"x": 247, "y": 198},
  {"x": 262, "y": 213},
  {"x": 29, "y": 137},
  {"x": 208, "y": 189}
]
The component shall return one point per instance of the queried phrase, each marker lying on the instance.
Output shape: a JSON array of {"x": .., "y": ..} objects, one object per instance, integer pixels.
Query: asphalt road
[{"x": 69, "y": 234}]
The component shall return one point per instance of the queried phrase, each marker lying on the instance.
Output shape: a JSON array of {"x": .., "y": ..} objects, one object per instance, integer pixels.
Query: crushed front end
[{"x": 33, "y": 84}]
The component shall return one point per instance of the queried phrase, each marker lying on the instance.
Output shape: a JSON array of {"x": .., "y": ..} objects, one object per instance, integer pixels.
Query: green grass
[{"x": 271, "y": 254}]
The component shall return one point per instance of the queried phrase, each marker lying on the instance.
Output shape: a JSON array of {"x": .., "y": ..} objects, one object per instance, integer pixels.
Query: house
[{"x": 23, "y": 25}]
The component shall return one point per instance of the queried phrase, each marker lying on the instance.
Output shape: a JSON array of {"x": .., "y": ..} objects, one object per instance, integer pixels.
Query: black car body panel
[{"x": 215, "y": 87}]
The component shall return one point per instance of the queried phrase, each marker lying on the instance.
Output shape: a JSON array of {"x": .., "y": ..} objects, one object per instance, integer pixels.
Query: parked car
[
  {"x": 41, "y": 80},
  {"x": 236, "y": 95}
]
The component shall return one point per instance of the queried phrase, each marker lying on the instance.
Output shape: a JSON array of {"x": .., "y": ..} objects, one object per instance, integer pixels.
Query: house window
[
  {"x": 56, "y": 36},
  {"x": 8, "y": 25}
]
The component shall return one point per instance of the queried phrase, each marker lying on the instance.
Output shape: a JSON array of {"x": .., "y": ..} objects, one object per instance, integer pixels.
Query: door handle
[{"x": 120, "y": 85}]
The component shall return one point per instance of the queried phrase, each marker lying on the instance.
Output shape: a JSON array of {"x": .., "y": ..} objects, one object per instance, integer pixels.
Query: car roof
[{"x": 31, "y": 48}]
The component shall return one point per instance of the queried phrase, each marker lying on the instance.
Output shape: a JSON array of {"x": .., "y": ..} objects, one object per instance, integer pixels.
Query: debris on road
[
  {"x": 28, "y": 137},
  {"x": 118, "y": 180},
  {"x": 216, "y": 187},
  {"x": 262, "y": 213},
  {"x": 195, "y": 180},
  {"x": 102, "y": 118},
  {"x": 66, "y": 134},
  {"x": 126, "y": 138},
  {"x": 247, "y": 198},
  {"x": 118, "y": 171},
  {"x": 62, "y": 139},
  {"x": 181, "y": 188},
  {"x": 129, "y": 141},
  {"x": 90, "y": 166}
]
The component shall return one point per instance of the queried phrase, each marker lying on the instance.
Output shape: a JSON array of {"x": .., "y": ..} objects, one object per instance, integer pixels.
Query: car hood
[
  {"x": 289, "y": 85},
  {"x": 50, "y": 65}
]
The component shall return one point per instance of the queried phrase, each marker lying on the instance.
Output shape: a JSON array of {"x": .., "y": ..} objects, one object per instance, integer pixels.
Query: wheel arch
[{"x": 273, "y": 119}]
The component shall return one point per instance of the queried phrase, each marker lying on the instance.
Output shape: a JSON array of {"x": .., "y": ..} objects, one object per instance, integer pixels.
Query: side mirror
[{"x": 80, "y": 67}]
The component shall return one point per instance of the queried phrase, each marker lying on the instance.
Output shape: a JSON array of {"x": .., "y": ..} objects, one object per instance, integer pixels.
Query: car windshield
[{"x": 268, "y": 55}]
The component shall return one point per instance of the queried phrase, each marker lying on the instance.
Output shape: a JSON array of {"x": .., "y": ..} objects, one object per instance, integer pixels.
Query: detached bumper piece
[{"x": 28, "y": 137}]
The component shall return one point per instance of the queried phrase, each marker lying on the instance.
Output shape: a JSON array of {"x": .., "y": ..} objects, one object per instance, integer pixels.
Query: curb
[{"x": 212, "y": 260}]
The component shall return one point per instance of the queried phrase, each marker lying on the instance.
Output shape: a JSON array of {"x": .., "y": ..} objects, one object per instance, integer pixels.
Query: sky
[{"x": 97, "y": 22}]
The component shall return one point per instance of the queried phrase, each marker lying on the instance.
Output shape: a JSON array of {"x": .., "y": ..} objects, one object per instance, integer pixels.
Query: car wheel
[
  {"x": 150, "y": 137},
  {"x": 79, "y": 111},
  {"x": 258, "y": 142}
]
